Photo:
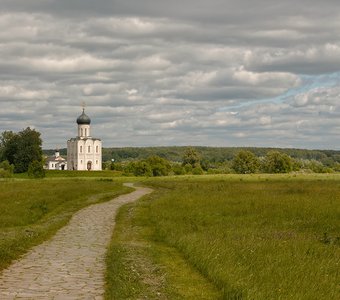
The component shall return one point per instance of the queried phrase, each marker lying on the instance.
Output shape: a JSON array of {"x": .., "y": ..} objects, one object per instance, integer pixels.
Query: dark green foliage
[
  {"x": 36, "y": 170},
  {"x": 21, "y": 148},
  {"x": 159, "y": 166},
  {"x": 139, "y": 168},
  {"x": 178, "y": 169},
  {"x": 153, "y": 166},
  {"x": 5, "y": 139},
  {"x": 245, "y": 162},
  {"x": 278, "y": 162}
]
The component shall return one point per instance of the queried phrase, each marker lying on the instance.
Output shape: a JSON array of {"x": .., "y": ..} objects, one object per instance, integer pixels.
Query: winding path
[{"x": 71, "y": 264}]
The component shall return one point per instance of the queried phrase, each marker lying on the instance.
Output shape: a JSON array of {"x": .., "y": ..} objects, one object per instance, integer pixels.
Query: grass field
[
  {"x": 231, "y": 237},
  {"x": 33, "y": 210},
  {"x": 73, "y": 174}
]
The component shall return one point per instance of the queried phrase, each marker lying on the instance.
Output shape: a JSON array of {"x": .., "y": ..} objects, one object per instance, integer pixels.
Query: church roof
[
  {"x": 83, "y": 119},
  {"x": 55, "y": 159}
]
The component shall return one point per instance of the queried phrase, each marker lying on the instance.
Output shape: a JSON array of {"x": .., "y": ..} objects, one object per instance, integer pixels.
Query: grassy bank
[
  {"x": 33, "y": 210},
  {"x": 245, "y": 237}
]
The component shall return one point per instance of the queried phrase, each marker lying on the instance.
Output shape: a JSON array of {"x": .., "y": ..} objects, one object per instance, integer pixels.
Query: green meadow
[
  {"x": 33, "y": 210},
  {"x": 229, "y": 237},
  {"x": 195, "y": 237}
]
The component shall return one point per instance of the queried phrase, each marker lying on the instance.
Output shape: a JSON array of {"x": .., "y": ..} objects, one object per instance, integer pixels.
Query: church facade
[{"x": 83, "y": 151}]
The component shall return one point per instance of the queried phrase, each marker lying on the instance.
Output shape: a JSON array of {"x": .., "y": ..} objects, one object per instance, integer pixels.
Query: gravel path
[{"x": 70, "y": 265}]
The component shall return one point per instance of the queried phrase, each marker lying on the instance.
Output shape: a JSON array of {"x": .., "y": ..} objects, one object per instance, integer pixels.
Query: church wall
[{"x": 81, "y": 152}]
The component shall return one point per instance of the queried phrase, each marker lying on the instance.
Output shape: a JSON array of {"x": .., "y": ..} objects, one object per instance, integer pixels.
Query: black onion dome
[{"x": 83, "y": 119}]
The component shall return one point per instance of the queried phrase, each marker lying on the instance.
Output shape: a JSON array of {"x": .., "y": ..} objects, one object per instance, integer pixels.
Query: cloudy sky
[{"x": 159, "y": 73}]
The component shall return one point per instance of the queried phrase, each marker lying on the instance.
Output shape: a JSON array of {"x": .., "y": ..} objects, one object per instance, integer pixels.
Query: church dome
[{"x": 83, "y": 119}]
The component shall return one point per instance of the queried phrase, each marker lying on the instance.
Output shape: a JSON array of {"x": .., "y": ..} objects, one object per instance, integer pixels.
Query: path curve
[{"x": 71, "y": 264}]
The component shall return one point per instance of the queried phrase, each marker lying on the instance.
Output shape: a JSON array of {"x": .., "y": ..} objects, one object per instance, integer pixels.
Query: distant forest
[{"x": 209, "y": 154}]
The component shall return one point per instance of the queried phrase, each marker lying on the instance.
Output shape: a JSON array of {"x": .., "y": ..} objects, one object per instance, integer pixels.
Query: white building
[
  {"x": 56, "y": 162},
  {"x": 84, "y": 152}
]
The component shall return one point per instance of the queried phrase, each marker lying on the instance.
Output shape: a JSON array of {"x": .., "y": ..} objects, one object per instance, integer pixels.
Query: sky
[{"x": 260, "y": 73}]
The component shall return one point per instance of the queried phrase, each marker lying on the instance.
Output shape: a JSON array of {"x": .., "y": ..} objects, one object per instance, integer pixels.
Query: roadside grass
[
  {"x": 139, "y": 268},
  {"x": 249, "y": 237},
  {"x": 33, "y": 210}
]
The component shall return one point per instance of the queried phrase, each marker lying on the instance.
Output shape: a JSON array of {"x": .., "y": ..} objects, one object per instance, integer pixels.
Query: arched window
[
  {"x": 81, "y": 162},
  {"x": 89, "y": 149},
  {"x": 96, "y": 162},
  {"x": 85, "y": 131},
  {"x": 81, "y": 149},
  {"x": 81, "y": 131},
  {"x": 97, "y": 149}
]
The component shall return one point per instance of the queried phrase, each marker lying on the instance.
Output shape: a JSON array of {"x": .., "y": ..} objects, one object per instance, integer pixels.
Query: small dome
[{"x": 83, "y": 119}]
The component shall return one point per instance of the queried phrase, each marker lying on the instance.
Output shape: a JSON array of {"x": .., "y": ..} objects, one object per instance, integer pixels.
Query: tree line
[
  {"x": 215, "y": 155},
  {"x": 244, "y": 162},
  {"x": 21, "y": 152}
]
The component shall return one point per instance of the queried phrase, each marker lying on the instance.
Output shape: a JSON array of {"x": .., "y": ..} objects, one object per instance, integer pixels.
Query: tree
[
  {"x": 245, "y": 162},
  {"x": 191, "y": 157},
  {"x": 278, "y": 162},
  {"x": 21, "y": 148},
  {"x": 5, "y": 139}
]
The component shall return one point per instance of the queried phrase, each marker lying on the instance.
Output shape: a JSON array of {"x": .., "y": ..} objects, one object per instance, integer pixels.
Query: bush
[
  {"x": 317, "y": 167},
  {"x": 138, "y": 168},
  {"x": 159, "y": 166},
  {"x": 36, "y": 170},
  {"x": 142, "y": 168},
  {"x": 6, "y": 169},
  {"x": 197, "y": 170},
  {"x": 245, "y": 162},
  {"x": 278, "y": 162},
  {"x": 188, "y": 168},
  {"x": 178, "y": 169},
  {"x": 5, "y": 174}
]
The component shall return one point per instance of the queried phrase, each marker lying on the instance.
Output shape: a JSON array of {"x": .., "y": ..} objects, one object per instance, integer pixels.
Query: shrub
[
  {"x": 278, "y": 162},
  {"x": 7, "y": 166},
  {"x": 245, "y": 162},
  {"x": 159, "y": 166},
  {"x": 188, "y": 168},
  {"x": 178, "y": 169},
  {"x": 36, "y": 170},
  {"x": 142, "y": 168},
  {"x": 5, "y": 174},
  {"x": 197, "y": 170}
]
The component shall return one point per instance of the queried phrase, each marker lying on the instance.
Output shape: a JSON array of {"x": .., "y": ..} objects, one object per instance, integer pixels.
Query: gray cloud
[{"x": 220, "y": 73}]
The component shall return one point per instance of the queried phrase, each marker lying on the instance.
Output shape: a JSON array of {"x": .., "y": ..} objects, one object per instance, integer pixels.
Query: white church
[{"x": 84, "y": 152}]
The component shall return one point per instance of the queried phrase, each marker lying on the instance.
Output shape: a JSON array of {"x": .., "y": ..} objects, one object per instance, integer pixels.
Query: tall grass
[
  {"x": 255, "y": 239},
  {"x": 32, "y": 210}
]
